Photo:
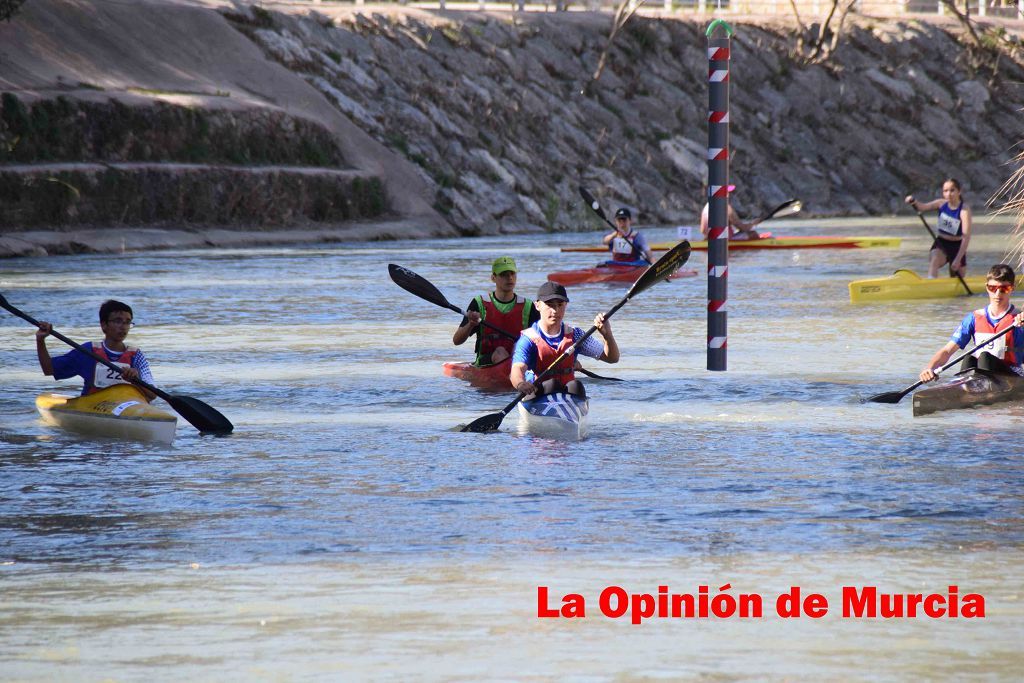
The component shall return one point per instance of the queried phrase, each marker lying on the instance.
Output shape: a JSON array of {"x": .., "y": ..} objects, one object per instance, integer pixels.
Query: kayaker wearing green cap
[{"x": 502, "y": 308}]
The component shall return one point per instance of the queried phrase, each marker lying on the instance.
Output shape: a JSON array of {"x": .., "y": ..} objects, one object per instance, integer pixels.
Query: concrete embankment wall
[{"x": 478, "y": 123}]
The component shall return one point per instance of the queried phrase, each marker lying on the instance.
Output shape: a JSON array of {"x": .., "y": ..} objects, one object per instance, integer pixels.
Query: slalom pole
[{"x": 718, "y": 193}]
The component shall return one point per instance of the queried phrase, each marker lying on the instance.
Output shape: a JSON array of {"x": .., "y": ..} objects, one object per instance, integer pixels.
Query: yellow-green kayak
[
  {"x": 906, "y": 284},
  {"x": 768, "y": 241},
  {"x": 119, "y": 412}
]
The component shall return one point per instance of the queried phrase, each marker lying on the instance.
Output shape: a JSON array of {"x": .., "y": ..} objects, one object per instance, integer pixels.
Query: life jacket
[
  {"x": 949, "y": 224},
  {"x": 546, "y": 354},
  {"x": 623, "y": 249},
  {"x": 102, "y": 376},
  {"x": 983, "y": 330},
  {"x": 512, "y": 322}
]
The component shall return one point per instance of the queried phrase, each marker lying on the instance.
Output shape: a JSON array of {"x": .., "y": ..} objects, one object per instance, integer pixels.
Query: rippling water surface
[{"x": 347, "y": 530}]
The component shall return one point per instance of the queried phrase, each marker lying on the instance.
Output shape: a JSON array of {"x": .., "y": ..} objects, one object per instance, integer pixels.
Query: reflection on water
[{"x": 346, "y": 489}]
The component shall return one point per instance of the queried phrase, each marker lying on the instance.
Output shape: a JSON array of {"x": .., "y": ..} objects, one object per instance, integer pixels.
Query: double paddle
[
  {"x": 660, "y": 270},
  {"x": 424, "y": 289},
  {"x": 596, "y": 206},
  {"x": 897, "y": 396},
  {"x": 786, "y": 208},
  {"x": 199, "y": 415}
]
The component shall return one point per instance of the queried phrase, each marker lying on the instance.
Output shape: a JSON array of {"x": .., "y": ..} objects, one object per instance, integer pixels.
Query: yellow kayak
[
  {"x": 770, "y": 242},
  {"x": 120, "y": 412},
  {"x": 906, "y": 284}
]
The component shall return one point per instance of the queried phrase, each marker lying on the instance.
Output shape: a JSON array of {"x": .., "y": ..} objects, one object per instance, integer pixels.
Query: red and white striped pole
[{"x": 718, "y": 193}]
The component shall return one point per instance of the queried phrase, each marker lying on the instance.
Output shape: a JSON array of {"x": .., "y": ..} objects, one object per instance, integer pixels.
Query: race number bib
[
  {"x": 106, "y": 377},
  {"x": 948, "y": 225},
  {"x": 997, "y": 347},
  {"x": 621, "y": 246}
]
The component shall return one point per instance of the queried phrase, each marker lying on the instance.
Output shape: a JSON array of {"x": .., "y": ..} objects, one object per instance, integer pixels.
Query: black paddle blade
[
  {"x": 669, "y": 263},
  {"x": 487, "y": 423},
  {"x": 199, "y": 415},
  {"x": 887, "y": 397},
  {"x": 594, "y": 375},
  {"x": 787, "y": 209},
  {"x": 419, "y": 286},
  {"x": 594, "y": 204}
]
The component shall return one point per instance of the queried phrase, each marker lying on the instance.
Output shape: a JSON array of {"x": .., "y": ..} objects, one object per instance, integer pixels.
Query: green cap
[{"x": 503, "y": 264}]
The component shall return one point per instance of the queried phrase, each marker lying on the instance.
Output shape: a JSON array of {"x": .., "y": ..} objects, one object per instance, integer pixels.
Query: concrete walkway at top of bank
[{"x": 188, "y": 53}]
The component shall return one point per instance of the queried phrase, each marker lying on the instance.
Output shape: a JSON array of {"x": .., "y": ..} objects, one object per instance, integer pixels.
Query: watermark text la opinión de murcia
[{"x": 857, "y": 602}]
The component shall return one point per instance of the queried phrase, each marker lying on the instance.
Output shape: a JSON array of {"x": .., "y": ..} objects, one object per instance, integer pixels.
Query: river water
[{"x": 347, "y": 531}]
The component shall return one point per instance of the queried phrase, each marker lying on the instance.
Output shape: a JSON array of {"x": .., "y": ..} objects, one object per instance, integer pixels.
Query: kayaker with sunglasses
[
  {"x": 116, "y": 319},
  {"x": 502, "y": 308},
  {"x": 1003, "y": 354},
  {"x": 954, "y": 229}
]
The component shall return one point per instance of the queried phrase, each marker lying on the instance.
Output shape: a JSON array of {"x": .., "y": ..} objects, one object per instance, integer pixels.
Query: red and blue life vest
[
  {"x": 984, "y": 329},
  {"x": 546, "y": 355},
  {"x": 102, "y": 376}
]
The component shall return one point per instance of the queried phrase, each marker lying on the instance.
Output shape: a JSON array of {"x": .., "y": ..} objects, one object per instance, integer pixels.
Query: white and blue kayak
[{"x": 555, "y": 416}]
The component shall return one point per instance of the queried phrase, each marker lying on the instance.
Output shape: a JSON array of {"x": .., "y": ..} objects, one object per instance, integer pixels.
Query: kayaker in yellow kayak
[
  {"x": 115, "y": 321},
  {"x": 541, "y": 343},
  {"x": 625, "y": 243},
  {"x": 1001, "y": 355},
  {"x": 502, "y": 308},
  {"x": 738, "y": 230},
  {"x": 954, "y": 229}
]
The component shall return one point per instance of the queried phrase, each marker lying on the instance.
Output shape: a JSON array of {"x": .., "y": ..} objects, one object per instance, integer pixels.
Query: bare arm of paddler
[
  {"x": 611, "y": 347},
  {"x": 468, "y": 326},
  {"x": 939, "y": 359},
  {"x": 923, "y": 206},
  {"x": 45, "y": 362},
  {"x": 517, "y": 377}
]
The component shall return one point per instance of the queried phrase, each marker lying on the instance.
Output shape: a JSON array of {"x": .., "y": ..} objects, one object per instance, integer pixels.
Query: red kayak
[
  {"x": 492, "y": 377},
  {"x": 609, "y": 273}
]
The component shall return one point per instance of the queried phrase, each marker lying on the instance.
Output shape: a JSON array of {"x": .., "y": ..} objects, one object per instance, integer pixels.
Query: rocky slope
[{"x": 483, "y": 116}]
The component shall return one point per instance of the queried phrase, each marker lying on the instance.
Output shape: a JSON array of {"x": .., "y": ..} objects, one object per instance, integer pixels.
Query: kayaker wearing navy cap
[
  {"x": 503, "y": 309},
  {"x": 1002, "y": 355},
  {"x": 625, "y": 243},
  {"x": 115, "y": 321},
  {"x": 546, "y": 339}
]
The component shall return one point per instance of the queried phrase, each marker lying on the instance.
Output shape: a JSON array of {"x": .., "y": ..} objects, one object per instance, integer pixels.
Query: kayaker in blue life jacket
[
  {"x": 954, "y": 229},
  {"x": 1002, "y": 355},
  {"x": 503, "y": 309},
  {"x": 626, "y": 244},
  {"x": 541, "y": 343},
  {"x": 116, "y": 319}
]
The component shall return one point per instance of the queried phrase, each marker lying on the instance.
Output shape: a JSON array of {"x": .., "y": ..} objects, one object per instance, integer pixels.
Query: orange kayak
[
  {"x": 491, "y": 377},
  {"x": 609, "y": 273}
]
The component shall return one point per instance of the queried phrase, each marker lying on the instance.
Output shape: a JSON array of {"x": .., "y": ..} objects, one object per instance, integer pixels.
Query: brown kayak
[{"x": 969, "y": 389}]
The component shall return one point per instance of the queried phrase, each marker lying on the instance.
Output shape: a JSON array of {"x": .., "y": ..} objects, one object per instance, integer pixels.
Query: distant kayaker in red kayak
[
  {"x": 115, "y": 321},
  {"x": 625, "y": 243},
  {"x": 502, "y": 308},
  {"x": 954, "y": 228},
  {"x": 541, "y": 343},
  {"x": 1003, "y": 354},
  {"x": 738, "y": 230}
]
